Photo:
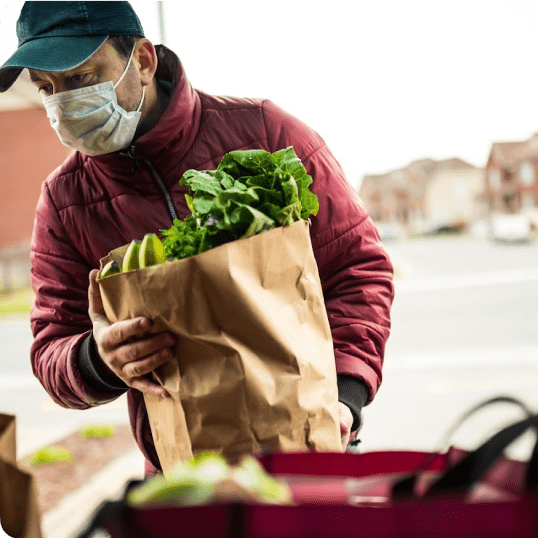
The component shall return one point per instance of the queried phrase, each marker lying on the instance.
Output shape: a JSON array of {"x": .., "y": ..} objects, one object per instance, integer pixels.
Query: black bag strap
[
  {"x": 109, "y": 512},
  {"x": 468, "y": 471},
  {"x": 406, "y": 486},
  {"x": 449, "y": 433}
]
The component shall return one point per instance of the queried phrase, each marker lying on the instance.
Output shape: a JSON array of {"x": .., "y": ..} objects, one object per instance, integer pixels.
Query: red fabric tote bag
[{"x": 392, "y": 494}]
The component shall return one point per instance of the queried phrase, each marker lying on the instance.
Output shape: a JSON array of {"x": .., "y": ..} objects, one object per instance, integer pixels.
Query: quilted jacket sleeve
[
  {"x": 355, "y": 270},
  {"x": 59, "y": 316}
]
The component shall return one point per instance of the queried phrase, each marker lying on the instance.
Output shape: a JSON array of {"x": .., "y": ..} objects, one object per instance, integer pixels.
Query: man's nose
[{"x": 59, "y": 86}]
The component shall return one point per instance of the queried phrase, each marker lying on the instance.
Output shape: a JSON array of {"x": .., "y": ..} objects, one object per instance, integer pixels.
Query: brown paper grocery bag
[
  {"x": 255, "y": 368},
  {"x": 8, "y": 445},
  {"x": 19, "y": 513}
]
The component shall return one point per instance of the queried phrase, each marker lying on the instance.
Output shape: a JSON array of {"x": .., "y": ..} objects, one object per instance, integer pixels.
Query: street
[
  {"x": 39, "y": 419},
  {"x": 464, "y": 328}
]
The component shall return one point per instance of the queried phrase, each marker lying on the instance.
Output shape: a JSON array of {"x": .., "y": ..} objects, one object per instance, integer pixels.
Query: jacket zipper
[{"x": 136, "y": 166}]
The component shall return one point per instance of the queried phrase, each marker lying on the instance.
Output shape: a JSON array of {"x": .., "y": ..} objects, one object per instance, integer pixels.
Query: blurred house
[
  {"x": 426, "y": 195},
  {"x": 511, "y": 184},
  {"x": 29, "y": 152}
]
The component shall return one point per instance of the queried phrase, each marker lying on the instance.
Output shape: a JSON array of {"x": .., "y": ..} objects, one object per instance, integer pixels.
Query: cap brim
[{"x": 56, "y": 54}]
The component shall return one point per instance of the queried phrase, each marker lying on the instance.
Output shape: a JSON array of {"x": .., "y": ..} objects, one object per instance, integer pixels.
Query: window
[
  {"x": 527, "y": 201},
  {"x": 494, "y": 178},
  {"x": 526, "y": 173}
]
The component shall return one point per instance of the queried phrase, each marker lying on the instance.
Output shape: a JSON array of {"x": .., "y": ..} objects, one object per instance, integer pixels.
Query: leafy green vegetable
[
  {"x": 206, "y": 478},
  {"x": 250, "y": 474},
  {"x": 249, "y": 192},
  {"x": 189, "y": 482}
]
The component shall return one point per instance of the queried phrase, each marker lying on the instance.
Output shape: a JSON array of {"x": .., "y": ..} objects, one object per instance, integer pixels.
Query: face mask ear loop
[
  {"x": 141, "y": 99},
  {"x": 126, "y": 69}
]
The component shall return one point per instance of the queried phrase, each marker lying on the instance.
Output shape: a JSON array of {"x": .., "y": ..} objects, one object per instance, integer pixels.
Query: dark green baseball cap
[{"x": 59, "y": 36}]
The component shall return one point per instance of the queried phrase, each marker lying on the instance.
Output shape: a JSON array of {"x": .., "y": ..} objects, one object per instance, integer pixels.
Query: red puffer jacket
[{"x": 92, "y": 205}]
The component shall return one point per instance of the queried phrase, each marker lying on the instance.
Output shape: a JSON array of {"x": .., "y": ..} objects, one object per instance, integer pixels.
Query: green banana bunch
[{"x": 140, "y": 254}]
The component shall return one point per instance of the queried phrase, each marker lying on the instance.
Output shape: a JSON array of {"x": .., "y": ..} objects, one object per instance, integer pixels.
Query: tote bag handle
[
  {"x": 479, "y": 461},
  {"x": 468, "y": 471},
  {"x": 108, "y": 513},
  {"x": 448, "y": 435}
]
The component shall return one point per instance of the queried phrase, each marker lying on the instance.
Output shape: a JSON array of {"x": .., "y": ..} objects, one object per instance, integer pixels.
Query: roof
[
  {"x": 419, "y": 172},
  {"x": 510, "y": 153}
]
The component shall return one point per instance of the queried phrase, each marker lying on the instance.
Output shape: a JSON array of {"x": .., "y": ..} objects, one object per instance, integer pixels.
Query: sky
[{"x": 384, "y": 83}]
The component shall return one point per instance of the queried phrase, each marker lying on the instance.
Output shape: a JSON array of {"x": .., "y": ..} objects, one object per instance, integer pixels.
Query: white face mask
[{"x": 90, "y": 119}]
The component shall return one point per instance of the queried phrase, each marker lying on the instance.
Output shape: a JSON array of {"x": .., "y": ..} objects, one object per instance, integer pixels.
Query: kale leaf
[{"x": 249, "y": 192}]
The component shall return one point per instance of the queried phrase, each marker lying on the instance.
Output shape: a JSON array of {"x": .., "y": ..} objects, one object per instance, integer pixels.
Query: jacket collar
[{"x": 167, "y": 143}]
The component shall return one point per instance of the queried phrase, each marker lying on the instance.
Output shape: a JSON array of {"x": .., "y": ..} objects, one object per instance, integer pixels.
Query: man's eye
[
  {"x": 79, "y": 78},
  {"x": 45, "y": 90}
]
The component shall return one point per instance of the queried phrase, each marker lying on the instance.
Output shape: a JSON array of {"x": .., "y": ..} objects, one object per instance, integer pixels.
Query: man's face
[{"x": 105, "y": 65}]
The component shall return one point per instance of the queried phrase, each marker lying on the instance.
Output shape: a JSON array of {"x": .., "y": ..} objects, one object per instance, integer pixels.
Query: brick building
[
  {"x": 425, "y": 195},
  {"x": 29, "y": 152},
  {"x": 511, "y": 178}
]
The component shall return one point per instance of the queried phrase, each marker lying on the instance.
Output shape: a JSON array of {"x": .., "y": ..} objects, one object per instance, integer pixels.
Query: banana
[
  {"x": 151, "y": 251},
  {"x": 130, "y": 260},
  {"x": 111, "y": 268}
]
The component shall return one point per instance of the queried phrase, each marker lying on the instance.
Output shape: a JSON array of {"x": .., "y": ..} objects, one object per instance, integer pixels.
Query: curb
[{"x": 71, "y": 514}]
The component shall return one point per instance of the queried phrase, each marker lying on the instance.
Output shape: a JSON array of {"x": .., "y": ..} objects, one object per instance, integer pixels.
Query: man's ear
[{"x": 145, "y": 58}]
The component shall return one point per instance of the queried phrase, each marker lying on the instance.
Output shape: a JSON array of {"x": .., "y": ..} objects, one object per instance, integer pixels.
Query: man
[{"x": 137, "y": 125}]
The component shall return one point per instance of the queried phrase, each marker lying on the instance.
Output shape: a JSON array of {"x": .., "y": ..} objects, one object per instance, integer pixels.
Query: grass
[
  {"x": 16, "y": 302},
  {"x": 95, "y": 431}
]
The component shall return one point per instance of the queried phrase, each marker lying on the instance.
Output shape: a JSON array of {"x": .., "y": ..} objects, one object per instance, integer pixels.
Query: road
[
  {"x": 39, "y": 419},
  {"x": 464, "y": 328},
  {"x": 465, "y": 320}
]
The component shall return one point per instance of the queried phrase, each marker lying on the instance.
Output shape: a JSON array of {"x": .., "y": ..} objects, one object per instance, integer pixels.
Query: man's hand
[
  {"x": 346, "y": 421},
  {"x": 126, "y": 348}
]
